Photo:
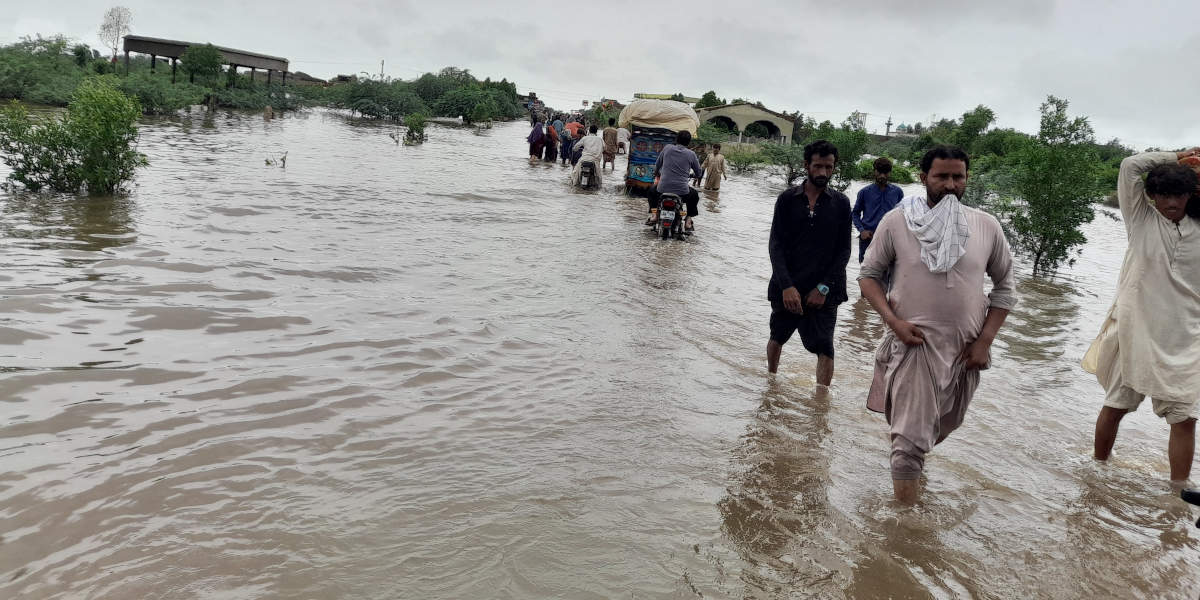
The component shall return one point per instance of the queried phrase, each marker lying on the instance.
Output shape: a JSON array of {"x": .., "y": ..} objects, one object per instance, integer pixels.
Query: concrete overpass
[
  {"x": 173, "y": 49},
  {"x": 740, "y": 116}
]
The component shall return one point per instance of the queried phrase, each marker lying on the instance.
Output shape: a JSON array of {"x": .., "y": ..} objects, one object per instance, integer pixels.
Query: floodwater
[{"x": 436, "y": 372}]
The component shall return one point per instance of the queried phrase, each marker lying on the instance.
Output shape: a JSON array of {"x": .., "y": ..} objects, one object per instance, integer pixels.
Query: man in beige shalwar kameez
[
  {"x": 714, "y": 169},
  {"x": 1149, "y": 344},
  {"x": 942, "y": 325}
]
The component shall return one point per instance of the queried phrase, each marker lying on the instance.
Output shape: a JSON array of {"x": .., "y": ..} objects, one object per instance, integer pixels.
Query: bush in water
[
  {"x": 742, "y": 161},
  {"x": 157, "y": 95},
  {"x": 416, "y": 128},
  {"x": 92, "y": 145}
]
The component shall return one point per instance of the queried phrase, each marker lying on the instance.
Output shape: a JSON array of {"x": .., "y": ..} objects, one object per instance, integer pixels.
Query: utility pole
[{"x": 381, "y": 69}]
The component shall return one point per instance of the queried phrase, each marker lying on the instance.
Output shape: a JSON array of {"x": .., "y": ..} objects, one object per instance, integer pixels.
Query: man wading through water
[
  {"x": 1149, "y": 345},
  {"x": 809, "y": 247},
  {"x": 942, "y": 325}
]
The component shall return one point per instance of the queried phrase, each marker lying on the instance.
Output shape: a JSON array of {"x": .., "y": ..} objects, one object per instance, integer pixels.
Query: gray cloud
[{"x": 1119, "y": 63}]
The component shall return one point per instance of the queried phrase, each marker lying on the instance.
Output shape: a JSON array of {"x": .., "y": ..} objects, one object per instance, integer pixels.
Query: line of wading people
[
  {"x": 924, "y": 258},
  {"x": 571, "y": 140}
]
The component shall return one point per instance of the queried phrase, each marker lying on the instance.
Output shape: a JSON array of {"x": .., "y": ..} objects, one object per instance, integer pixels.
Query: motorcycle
[
  {"x": 588, "y": 179},
  {"x": 672, "y": 213}
]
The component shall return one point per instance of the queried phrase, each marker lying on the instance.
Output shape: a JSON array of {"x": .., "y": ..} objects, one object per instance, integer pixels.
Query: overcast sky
[{"x": 1128, "y": 66}]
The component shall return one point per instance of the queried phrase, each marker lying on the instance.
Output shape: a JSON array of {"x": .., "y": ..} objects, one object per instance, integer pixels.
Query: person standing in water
[
  {"x": 1149, "y": 344},
  {"x": 942, "y": 324},
  {"x": 714, "y": 168},
  {"x": 809, "y": 248},
  {"x": 610, "y": 144},
  {"x": 537, "y": 141},
  {"x": 873, "y": 202}
]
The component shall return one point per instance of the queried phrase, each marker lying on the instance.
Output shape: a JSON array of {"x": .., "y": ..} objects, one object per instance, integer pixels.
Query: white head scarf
[{"x": 941, "y": 230}]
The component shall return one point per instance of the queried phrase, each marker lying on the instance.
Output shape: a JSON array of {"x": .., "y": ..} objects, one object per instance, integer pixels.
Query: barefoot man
[
  {"x": 942, "y": 324},
  {"x": 1150, "y": 343}
]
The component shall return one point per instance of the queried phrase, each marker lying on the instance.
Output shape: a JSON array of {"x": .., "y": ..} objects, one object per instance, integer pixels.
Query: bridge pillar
[
  {"x": 153, "y": 61},
  {"x": 269, "y": 73},
  {"x": 173, "y": 70},
  {"x": 126, "y": 62},
  {"x": 252, "y": 70}
]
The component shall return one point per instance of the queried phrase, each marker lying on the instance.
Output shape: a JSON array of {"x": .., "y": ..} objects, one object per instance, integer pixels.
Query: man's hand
[
  {"x": 815, "y": 299},
  {"x": 907, "y": 332},
  {"x": 976, "y": 354},
  {"x": 1189, "y": 152},
  {"x": 865, "y": 235},
  {"x": 792, "y": 301}
]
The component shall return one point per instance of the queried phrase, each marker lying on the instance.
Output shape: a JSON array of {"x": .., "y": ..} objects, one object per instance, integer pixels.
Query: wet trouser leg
[{"x": 907, "y": 459}]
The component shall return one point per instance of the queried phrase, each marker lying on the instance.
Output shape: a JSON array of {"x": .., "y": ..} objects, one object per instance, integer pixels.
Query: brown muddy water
[{"x": 436, "y": 372}]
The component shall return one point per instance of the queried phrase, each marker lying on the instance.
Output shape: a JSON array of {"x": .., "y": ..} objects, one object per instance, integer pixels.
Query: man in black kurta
[{"x": 809, "y": 247}]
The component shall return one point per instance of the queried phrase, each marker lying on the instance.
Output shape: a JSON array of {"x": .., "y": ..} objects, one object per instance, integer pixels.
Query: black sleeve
[{"x": 779, "y": 232}]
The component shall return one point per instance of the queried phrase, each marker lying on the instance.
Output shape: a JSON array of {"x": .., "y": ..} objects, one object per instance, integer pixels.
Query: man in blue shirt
[{"x": 873, "y": 202}]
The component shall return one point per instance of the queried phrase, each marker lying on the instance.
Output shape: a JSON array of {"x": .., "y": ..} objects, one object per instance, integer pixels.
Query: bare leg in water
[
  {"x": 774, "y": 348},
  {"x": 1180, "y": 449},
  {"x": 1106, "y": 430}
]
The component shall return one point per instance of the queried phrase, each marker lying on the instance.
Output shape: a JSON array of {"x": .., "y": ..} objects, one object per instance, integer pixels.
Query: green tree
[
  {"x": 787, "y": 160},
  {"x": 971, "y": 126},
  {"x": 82, "y": 54},
  {"x": 678, "y": 97},
  {"x": 710, "y": 99},
  {"x": 709, "y": 133},
  {"x": 1056, "y": 181},
  {"x": 92, "y": 145},
  {"x": 203, "y": 63}
]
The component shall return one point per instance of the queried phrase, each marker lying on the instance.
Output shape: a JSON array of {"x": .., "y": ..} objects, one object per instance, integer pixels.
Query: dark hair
[
  {"x": 716, "y": 146},
  {"x": 592, "y": 129},
  {"x": 683, "y": 138},
  {"x": 820, "y": 148},
  {"x": 612, "y": 121},
  {"x": 883, "y": 165},
  {"x": 1193, "y": 207},
  {"x": 1171, "y": 180},
  {"x": 944, "y": 152}
]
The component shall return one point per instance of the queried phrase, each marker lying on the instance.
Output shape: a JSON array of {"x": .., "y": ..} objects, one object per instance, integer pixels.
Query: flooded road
[{"x": 435, "y": 372}]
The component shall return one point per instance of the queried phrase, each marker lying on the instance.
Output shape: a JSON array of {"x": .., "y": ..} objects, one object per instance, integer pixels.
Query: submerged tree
[
  {"x": 1056, "y": 180},
  {"x": 93, "y": 145},
  {"x": 203, "y": 62},
  {"x": 115, "y": 26}
]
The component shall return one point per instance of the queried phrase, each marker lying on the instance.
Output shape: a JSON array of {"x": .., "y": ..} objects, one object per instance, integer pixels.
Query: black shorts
[
  {"x": 691, "y": 199},
  {"x": 815, "y": 327}
]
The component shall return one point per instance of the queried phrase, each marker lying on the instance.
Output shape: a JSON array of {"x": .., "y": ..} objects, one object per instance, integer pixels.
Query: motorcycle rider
[
  {"x": 677, "y": 165},
  {"x": 590, "y": 148}
]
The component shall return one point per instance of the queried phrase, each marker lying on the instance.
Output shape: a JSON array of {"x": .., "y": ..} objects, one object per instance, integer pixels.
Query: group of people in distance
[{"x": 924, "y": 258}]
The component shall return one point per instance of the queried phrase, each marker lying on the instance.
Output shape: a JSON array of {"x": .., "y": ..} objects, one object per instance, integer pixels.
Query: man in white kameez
[
  {"x": 592, "y": 149},
  {"x": 1149, "y": 345},
  {"x": 942, "y": 324}
]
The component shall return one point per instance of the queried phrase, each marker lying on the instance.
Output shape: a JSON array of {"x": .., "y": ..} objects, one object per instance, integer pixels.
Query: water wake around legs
[{"x": 436, "y": 372}]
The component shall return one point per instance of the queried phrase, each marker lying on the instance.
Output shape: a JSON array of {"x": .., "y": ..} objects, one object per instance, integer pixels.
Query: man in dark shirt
[
  {"x": 873, "y": 202},
  {"x": 809, "y": 246}
]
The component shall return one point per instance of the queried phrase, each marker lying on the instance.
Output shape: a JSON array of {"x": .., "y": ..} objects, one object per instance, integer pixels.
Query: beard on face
[{"x": 820, "y": 181}]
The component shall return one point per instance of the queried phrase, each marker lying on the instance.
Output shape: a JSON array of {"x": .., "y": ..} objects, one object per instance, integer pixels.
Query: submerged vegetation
[{"x": 92, "y": 145}]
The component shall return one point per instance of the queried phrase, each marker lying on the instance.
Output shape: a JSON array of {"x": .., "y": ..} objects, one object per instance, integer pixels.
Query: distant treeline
[{"x": 49, "y": 70}]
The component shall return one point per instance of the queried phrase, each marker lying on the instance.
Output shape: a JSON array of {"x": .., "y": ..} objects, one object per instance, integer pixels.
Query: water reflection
[
  {"x": 776, "y": 509},
  {"x": 88, "y": 224}
]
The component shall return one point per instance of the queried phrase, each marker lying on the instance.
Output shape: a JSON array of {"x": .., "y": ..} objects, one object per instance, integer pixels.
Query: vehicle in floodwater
[{"x": 652, "y": 125}]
